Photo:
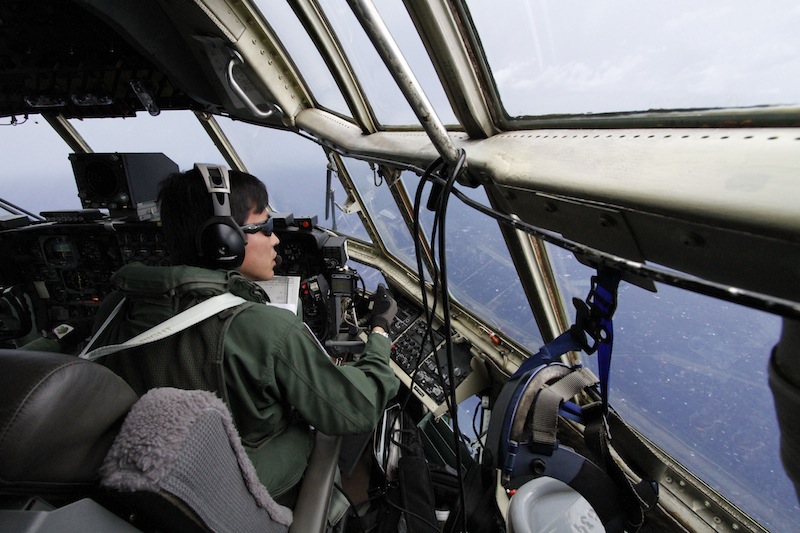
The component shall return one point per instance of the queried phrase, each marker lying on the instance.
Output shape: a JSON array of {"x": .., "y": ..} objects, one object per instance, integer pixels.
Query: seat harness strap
[{"x": 189, "y": 317}]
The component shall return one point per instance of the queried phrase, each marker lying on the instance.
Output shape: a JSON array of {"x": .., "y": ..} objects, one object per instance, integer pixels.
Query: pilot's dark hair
[{"x": 185, "y": 206}]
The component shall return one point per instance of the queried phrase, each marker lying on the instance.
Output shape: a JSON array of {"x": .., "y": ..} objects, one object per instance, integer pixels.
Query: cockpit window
[
  {"x": 176, "y": 134},
  {"x": 290, "y": 165},
  {"x": 481, "y": 273},
  {"x": 306, "y": 57},
  {"x": 45, "y": 168},
  {"x": 697, "y": 387},
  {"x": 382, "y": 209},
  {"x": 574, "y": 57},
  {"x": 404, "y": 32},
  {"x": 298, "y": 183},
  {"x": 388, "y": 103}
]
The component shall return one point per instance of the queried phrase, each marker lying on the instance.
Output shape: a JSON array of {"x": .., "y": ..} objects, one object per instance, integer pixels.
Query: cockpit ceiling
[
  {"x": 93, "y": 58},
  {"x": 57, "y": 58}
]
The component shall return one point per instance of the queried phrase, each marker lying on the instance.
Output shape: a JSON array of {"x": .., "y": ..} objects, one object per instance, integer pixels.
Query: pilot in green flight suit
[{"x": 262, "y": 360}]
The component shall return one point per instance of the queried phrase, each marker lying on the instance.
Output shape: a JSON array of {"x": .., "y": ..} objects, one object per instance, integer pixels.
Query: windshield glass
[
  {"x": 382, "y": 209},
  {"x": 690, "y": 373},
  {"x": 44, "y": 182},
  {"x": 388, "y": 103},
  {"x": 176, "y": 134},
  {"x": 295, "y": 170},
  {"x": 290, "y": 165},
  {"x": 576, "y": 57},
  {"x": 303, "y": 52}
]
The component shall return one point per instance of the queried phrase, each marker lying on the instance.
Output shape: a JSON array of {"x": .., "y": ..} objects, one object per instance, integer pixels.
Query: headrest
[
  {"x": 183, "y": 445},
  {"x": 58, "y": 417}
]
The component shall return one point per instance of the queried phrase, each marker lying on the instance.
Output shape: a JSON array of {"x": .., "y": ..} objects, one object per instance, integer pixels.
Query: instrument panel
[{"x": 67, "y": 267}]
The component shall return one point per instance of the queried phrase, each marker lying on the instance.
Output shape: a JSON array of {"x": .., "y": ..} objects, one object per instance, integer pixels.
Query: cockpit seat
[
  {"x": 179, "y": 461},
  {"x": 58, "y": 418},
  {"x": 60, "y": 415}
]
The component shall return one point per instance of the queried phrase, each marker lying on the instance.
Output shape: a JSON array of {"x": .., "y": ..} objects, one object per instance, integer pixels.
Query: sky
[{"x": 574, "y": 56}]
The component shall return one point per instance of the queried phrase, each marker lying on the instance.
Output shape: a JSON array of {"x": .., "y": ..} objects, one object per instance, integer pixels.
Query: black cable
[
  {"x": 748, "y": 298},
  {"x": 358, "y": 297},
  {"x": 429, "y": 312},
  {"x": 426, "y": 176},
  {"x": 399, "y": 443},
  {"x": 475, "y": 429},
  {"x": 363, "y": 294},
  {"x": 393, "y": 438},
  {"x": 439, "y": 284},
  {"x": 453, "y": 404},
  {"x": 14, "y": 122},
  {"x": 436, "y": 282}
]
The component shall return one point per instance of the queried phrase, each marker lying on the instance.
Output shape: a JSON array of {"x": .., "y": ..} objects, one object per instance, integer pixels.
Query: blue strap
[
  {"x": 602, "y": 302},
  {"x": 592, "y": 321},
  {"x": 604, "y": 364},
  {"x": 566, "y": 342}
]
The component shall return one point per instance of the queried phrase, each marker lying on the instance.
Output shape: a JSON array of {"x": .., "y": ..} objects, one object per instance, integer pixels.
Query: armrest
[{"x": 311, "y": 510}]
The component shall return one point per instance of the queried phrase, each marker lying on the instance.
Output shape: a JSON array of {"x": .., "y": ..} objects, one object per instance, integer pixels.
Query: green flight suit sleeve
[
  {"x": 336, "y": 400},
  {"x": 279, "y": 379},
  {"x": 274, "y": 363}
]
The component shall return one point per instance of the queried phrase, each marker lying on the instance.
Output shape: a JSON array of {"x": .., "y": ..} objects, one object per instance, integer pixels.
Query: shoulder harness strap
[{"x": 177, "y": 323}]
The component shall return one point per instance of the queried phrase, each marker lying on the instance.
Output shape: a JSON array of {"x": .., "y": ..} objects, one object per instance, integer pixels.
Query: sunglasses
[{"x": 263, "y": 227}]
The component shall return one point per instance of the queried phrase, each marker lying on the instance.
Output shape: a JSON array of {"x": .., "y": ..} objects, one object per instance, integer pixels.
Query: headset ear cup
[{"x": 220, "y": 243}]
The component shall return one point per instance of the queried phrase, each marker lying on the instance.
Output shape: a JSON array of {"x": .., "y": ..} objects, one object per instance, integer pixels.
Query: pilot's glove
[{"x": 383, "y": 309}]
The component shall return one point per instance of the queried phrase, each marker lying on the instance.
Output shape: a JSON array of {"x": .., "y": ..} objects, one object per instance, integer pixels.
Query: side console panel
[{"x": 420, "y": 356}]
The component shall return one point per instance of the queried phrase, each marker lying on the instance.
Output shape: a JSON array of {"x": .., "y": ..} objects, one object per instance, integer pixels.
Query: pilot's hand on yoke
[{"x": 384, "y": 308}]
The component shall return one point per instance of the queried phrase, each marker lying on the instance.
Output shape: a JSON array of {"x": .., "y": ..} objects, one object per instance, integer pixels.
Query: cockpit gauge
[
  {"x": 77, "y": 280},
  {"x": 59, "y": 252},
  {"x": 91, "y": 251},
  {"x": 291, "y": 252}
]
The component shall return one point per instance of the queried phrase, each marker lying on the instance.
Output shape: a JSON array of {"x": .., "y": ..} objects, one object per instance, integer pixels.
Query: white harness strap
[{"x": 189, "y": 317}]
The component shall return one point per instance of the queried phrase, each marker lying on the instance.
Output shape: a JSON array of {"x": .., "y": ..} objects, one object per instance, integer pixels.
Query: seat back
[
  {"x": 58, "y": 417},
  {"x": 179, "y": 460}
]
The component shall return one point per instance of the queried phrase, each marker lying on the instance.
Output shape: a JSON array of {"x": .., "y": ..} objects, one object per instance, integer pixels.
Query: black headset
[{"x": 219, "y": 241}]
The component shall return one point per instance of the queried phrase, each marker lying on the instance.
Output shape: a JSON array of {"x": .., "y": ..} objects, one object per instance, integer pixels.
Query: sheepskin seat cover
[{"x": 184, "y": 443}]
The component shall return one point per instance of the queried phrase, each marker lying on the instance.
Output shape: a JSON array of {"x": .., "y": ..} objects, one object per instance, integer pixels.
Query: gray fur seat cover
[{"x": 185, "y": 443}]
